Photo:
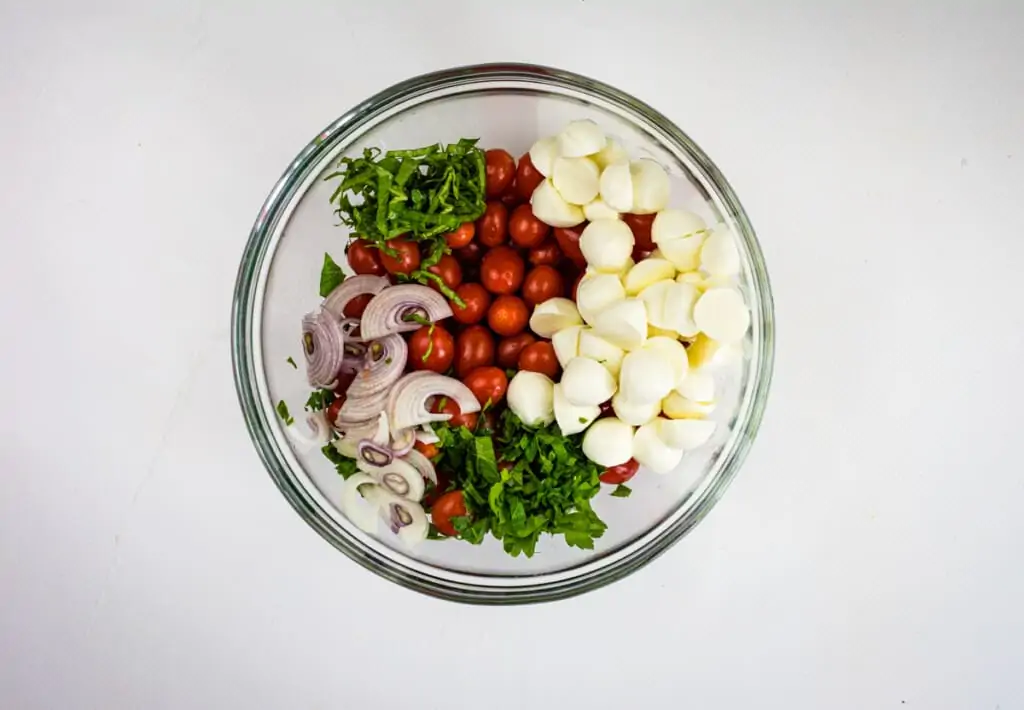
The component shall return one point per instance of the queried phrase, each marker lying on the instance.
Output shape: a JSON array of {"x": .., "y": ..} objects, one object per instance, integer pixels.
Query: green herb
[
  {"x": 282, "y": 411},
  {"x": 583, "y": 420},
  {"x": 344, "y": 465},
  {"x": 430, "y": 343},
  {"x": 388, "y": 361},
  {"x": 291, "y": 362},
  {"x": 416, "y": 318},
  {"x": 622, "y": 491},
  {"x": 434, "y": 534},
  {"x": 330, "y": 276},
  {"x": 424, "y": 276},
  {"x": 319, "y": 399}
]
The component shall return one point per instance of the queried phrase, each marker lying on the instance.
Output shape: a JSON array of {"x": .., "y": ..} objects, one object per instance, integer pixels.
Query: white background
[{"x": 868, "y": 556}]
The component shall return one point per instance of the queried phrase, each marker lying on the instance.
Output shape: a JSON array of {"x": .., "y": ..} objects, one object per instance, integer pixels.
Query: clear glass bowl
[{"x": 507, "y": 106}]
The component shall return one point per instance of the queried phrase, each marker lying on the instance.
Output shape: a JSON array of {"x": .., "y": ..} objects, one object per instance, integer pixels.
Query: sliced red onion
[
  {"x": 323, "y": 344},
  {"x": 405, "y": 518},
  {"x": 426, "y": 435},
  {"x": 402, "y": 441},
  {"x": 398, "y": 476},
  {"x": 351, "y": 434},
  {"x": 357, "y": 409},
  {"x": 422, "y": 464},
  {"x": 407, "y": 404},
  {"x": 401, "y": 309},
  {"x": 350, "y": 288},
  {"x": 318, "y": 424},
  {"x": 349, "y": 326},
  {"x": 385, "y": 362},
  {"x": 373, "y": 453},
  {"x": 360, "y": 502}
]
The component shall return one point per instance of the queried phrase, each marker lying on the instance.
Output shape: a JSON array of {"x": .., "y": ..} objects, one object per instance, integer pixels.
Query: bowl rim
[{"x": 245, "y": 296}]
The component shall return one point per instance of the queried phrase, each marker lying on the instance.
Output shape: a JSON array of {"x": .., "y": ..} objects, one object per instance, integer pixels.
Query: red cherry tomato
[
  {"x": 450, "y": 505},
  {"x": 445, "y": 405},
  {"x": 621, "y": 473},
  {"x": 546, "y": 254},
  {"x": 639, "y": 254},
  {"x": 492, "y": 227},
  {"x": 510, "y": 198},
  {"x": 527, "y": 178},
  {"x": 473, "y": 348},
  {"x": 344, "y": 380},
  {"x": 364, "y": 258},
  {"x": 502, "y": 270},
  {"x": 542, "y": 283},
  {"x": 539, "y": 357},
  {"x": 568, "y": 239},
  {"x": 525, "y": 229},
  {"x": 488, "y": 384},
  {"x": 509, "y": 349},
  {"x": 334, "y": 408},
  {"x": 355, "y": 307},
  {"x": 428, "y": 450},
  {"x": 461, "y": 236},
  {"x": 477, "y": 301},
  {"x": 606, "y": 409},
  {"x": 449, "y": 270},
  {"x": 501, "y": 169},
  {"x": 640, "y": 224},
  {"x": 470, "y": 254},
  {"x": 431, "y": 348},
  {"x": 438, "y": 489},
  {"x": 508, "y": 315},
  {"x": 407, "y": 257}
]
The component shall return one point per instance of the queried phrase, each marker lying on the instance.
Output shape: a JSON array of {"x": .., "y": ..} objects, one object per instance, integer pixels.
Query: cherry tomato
[
  {"x": 488, "y": 422},
  {"x": 438, "y": 489},
  {"x": 477, "y": 301},
  {"x": 449, "y": 270},
  {"x": 542, "y": 283},
  {"x": 431, "y": 348},
  {"x": 428, "y": 450},
  {"x": 473, "y": 348},
  {"x": 407, "y": 259},
  {"x": 509, "y": 349},
  {"x": 364, "y": 258},
  {"x": 539, "y": 357},
  {"x": 445, "y": 405},
  {"x": 510, "y": 198},
  {"x": 527, "y": 178},
  {"x": 621, "y": 473},
  {"x": 508, "y": 315},
  {"x": 639, "y": 254},
  {"x": 502, "y": 270},
  {"x": 472, "y": 253},
  {"x": 461, "y": 236},
  {"x": 334, "y": 408},
  {"x": 606, "y": 409},
  {"x": 568, "y": 239},
  {"x": 450, "y": 505},
  {"x": 546, "y": 254},
  {"x": 488, "y": 384},
  {"x": 501, "y": 169},
  {"x": 355, "y": 307},
  {"x": 525, "y": 229},
  {"x": 345, "y": 379},
  {"x": 492, "y": 227},
  {"x": 641, "y": 226}
]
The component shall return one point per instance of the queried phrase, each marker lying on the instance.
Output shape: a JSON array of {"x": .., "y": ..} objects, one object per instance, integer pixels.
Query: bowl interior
[{"x": 299, "y": 226}]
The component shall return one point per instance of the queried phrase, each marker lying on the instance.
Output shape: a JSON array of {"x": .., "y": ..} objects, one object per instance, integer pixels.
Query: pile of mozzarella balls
[{"x": 622, "y": 340}]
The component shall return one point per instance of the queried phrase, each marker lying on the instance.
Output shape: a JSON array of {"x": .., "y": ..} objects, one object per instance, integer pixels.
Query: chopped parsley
[
  {"x": 622, "y": 491},
  {"x": 319, "y": 399},
  {"x": 331, "y": 276},
  {"x": 291, "y": 361},
  {"x": 343, "y": 464},
  {"x": 282, "y": 411}
]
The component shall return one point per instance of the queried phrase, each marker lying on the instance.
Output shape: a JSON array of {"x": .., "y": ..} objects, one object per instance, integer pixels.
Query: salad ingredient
[
  {"x": 623, "y": 324},
  {"x": 599, "y": 209},
  {"x": 449, "y": 271},
  {"x": 500, "y": 169},
  {"x": 646, "y": 273},
  {"x": 553, "y": 315},
  {"x": 622, "y": 491},
  {"x": 572, "y": 418},
  {"x": 461, "y": 236},
  {"x": 470, "y": 255},
  {"x": 421, "y": 462},
  {"x": 539, "y": 357},
  {"x": 606, "y": 244},
  {"x": 543, "y": 154},
  {"x": 492, "y": 227},
  {"x": 359, "y": 502},
  {"x": 676, "y": 406},
  {"x": 364, "y": 258},
  {"x": 721, "y": 314},
  {"x": 508, "y": 315},
  {"x": 357, "y": 306},
  {"x": 672, "y": 352},
  {"x": 402, "y": 441},
  {"x": 680, "y": 301},
  {"x": 608, "y": 354},
  {"x": 616, "y": 187},
  {"x": 404, "y": 517},
  {"x": 400, "y": 256},
  {"x": 474, "y": 347},
  {"x": 646, "y": 377},
  {"x": 550, "y": 207},
  {"x": 566, "y": 343},
  {"x": 568, "y": 239},
  {"x": 323, "y": 344},
  {"x": 613, "y": 152},
  {"x": 546, "y": 253},
  {"x": 685, "y": 434},
  {"x": 650, "y": 186},
  {"x": 684, "y": 253},
  {"x": 576, "y": 179},
  {"x": 502, "y": 270},
  {"x": 282, "y": 411},
  {"x": 527, "y": 178},
  {"x": 542, "y": 283},
  {"x": 660, "y": 310},
  {"x": 698, "y": 386},
  {"x": 525, "y": 229},
  {"x": 718, "y": 255},
  {"x": 634, "y": 413},
  {"x": 443, "y": 405},
  {"x": 361, "y": 409},
  {"x": 398, "y": 476},
  {"x": 596, "y": 293},
  {"x": 509, "y": 349},
  {"x": 531, "y": 398},
  {"x": 448, "y": 506},
  {"x": 703, "y": 351},
  {"x": 372, "y": 453},
  {"x": 640, "y": 225},
  {"x": 650, "y": 451},
  {"x": 617, "y": 475},
  {"x": 431, "y": 348},
  {"x": 406, "y": 405},
  {"x": 488, "y": 384},
  {"x": 609, "y": 442},
  {"x": 587, "y": 382},
  {"x": 672, "y": 224},
  {"x": 375, "y": 429},
  {"x": 291, "y": 361},
  {"x": 580, "y": 138},
  {"x": 330, "y": 276},
  {"x": 401, "y": 309},
  {"x": 476, "y": 301},
  {"x": 383, "y": 365}
]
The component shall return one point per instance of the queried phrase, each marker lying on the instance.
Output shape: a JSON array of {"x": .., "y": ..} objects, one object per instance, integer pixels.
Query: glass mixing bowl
[{"x": 507, "y": 106}]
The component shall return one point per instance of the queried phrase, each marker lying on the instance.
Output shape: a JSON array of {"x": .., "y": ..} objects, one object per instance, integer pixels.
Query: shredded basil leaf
[{"x": 331, "y": 276}]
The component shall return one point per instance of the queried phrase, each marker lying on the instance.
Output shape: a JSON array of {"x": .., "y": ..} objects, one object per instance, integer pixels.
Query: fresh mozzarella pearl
[
  {"x": 646, "y": 376},
  {"x": 617, "y": 187},
  {"x": 722, "y": 314},
  {"x": 531, "y": 398},
  {"x": 576, "y": 179},
  {"x": 719, "y": 256},
  {"x": 633, "y": 413},
  {"x": 675, "y": 224},
  {"x": 596, "y": 293},
  {"x": 655, "y": 298},
  {"x": 698, "y": 386},
  {"x": 606, "y": 244},
  {"x": 676, "y": 406},
  {"x": 647, "y": 272},
  {"x": 566, "y": 343},
  {"x": 650, "y": 186},
  {"x": 581, "y": 138},
  {"x": 654, "y": 332},
  {"x": 651, "y": 452},
  {"x": 680, "y": 300},
  {"x": 703, "y": 351},
  {"x": 598, "y": 209},
  {"x": 604, "y": 352},
  {"x": 623, "y": 324},
  {"x": 573, "y": 418},
  {"x": 684, "y": 253},
  {"x": 674, "y": 352},
  {"x": 551, "y": 208},
  {"x": 608, "y": 442},
  {"x": 612, "y": 153},
  {"x": 543, "y": 155},
  {"x": 553, "y": 315},
  {"x": 685, "y": 434},
  {"x": 586, "y": 382}
]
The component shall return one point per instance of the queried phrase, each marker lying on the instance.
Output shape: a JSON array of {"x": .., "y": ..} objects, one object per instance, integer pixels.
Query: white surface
[{"x": 868, "y": 556}]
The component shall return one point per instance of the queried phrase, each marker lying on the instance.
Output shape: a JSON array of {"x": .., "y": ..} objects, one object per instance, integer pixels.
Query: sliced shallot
[
  {"x": 422, "y": 464},
  {"x": 373, "y": 453},
  {"x": 320, "y": 428},
  {"x": 323, "y": 344},
  {"x": 405, "y": 518},
  {"x": 402, "y": 309},
  {"x": 384, "y": 362},
  {"x": 350, "y": 288},
  {"x": 399, "y": 476},
  {"x": 402, "y": 441},
  {"x": 360, "y": 502},
  {"x": 407, "y": 405}
]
